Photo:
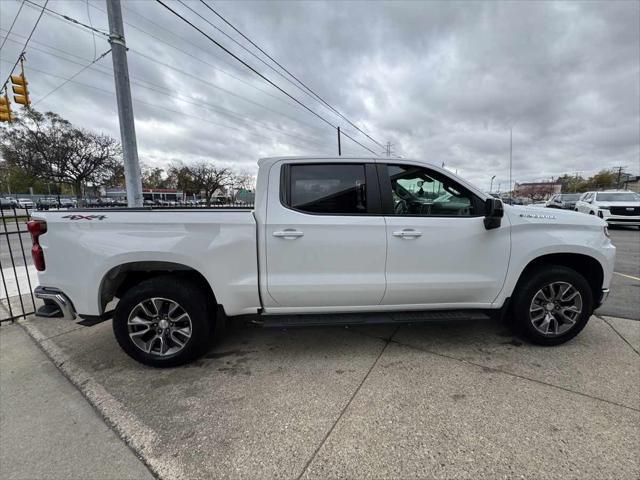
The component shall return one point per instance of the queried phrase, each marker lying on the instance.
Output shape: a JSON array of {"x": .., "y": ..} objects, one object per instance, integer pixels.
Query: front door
[
  {"x": 325, "y": 236},
  {"x": 439, "y": 252}
]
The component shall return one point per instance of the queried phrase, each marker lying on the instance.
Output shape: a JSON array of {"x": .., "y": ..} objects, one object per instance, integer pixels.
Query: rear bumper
[{"x": 53, "y": 296}]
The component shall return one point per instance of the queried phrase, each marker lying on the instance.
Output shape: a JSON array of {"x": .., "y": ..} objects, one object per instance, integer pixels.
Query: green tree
[
  {"x": 572, "y": 183},
  {"x": 601, "y": 180},
  {"x": 154, "y": 177}
]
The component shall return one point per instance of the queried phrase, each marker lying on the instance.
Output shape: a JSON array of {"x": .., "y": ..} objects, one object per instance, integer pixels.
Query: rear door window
[{"x": 327, "y": 188}]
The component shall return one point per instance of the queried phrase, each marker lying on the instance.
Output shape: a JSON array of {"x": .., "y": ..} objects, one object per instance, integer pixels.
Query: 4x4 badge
[{"x": 85, "y": 217}]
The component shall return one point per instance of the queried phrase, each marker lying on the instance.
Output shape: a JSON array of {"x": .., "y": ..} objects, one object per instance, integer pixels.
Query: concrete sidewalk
[
  {"x": 47, "y": 428},
  {"x": 457, "y": 400}
]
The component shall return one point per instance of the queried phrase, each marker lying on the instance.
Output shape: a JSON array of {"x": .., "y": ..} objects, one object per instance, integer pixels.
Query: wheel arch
[
  {"x": 122, "y": 277},
  {"x": 589, "y": 267}
]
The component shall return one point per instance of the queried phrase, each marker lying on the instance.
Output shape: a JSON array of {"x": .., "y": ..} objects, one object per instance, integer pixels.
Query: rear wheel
[
  {"x": 553, "y": 305},
  {"x": 163, "y": 322}
]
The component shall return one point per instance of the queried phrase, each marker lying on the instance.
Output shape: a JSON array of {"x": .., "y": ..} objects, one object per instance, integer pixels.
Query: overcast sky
[{"x": 441, "y": 81}]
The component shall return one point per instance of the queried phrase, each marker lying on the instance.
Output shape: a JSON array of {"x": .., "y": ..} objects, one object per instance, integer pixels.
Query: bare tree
[
  {"x": 243, "y": 180},
  {"x": 535, "y": 191},
  {"x": 49, "y": 147},
  {"x": 207, "y": 178}
]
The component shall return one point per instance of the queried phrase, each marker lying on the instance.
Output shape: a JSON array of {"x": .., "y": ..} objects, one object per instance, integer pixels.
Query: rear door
[
  {"x": 325, "y": 236},
  {"x": 439, "y": 252}
]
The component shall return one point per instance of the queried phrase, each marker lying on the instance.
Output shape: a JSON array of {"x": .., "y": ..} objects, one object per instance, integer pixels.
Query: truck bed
[{"x": 83, "y": 246}]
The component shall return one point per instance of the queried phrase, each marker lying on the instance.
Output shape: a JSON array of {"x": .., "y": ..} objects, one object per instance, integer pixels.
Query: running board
[{"x": 281, "y": 321}]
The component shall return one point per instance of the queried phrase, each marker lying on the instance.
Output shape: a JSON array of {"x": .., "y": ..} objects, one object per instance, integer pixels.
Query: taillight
[{"x": 37, "y": 228}]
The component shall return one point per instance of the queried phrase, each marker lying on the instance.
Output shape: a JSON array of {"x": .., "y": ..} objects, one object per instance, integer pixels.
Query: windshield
[
  {"x": 618, "y": 197},
  {"x": 570, "y": 197}
]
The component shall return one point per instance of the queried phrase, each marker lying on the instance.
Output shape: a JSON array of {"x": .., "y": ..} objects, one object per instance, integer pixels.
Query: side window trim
[
  {"x": 387, "y": 196},
  {"x": 374, "y": 203}
]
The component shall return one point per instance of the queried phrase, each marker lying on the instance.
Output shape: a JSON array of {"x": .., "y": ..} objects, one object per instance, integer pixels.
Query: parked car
[
  {"x": 45, "y": 203},
  {"x": 566, "y": 201},
  {"x": 68, "y": 202},
  {"x": 25, "y": 203},
  {"x": 7, "y": 203},
  {"x": 10, "y": 202},
  {"x": 616, "y": 207},
  {"x": 512, "y": 201},
  {"x": 327, "y": 236}
]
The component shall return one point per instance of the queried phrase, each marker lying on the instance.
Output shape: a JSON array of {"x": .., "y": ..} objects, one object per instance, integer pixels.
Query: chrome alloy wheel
[
  {"x": 159, "y": 326},
  {"x": 555, "y": 309}
]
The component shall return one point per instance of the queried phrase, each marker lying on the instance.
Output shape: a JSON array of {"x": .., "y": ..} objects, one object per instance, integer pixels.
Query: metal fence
[{"x": 16, "y": 295}]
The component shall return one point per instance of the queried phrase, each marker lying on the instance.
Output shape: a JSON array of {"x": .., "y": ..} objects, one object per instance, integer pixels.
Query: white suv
[{"x": 617, "y": 207}]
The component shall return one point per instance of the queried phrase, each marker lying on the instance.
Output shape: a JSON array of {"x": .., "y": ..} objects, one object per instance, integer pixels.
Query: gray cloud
[{"x": 443, "y": 81}]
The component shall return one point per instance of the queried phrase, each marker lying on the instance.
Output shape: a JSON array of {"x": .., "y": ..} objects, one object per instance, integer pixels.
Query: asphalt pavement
[{"x": 624, "y": 299}]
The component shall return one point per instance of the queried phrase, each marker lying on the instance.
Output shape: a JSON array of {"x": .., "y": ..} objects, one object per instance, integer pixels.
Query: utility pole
[
  {"x": 125, "y": 108},
  {"x": 387, "y": 149},
  {"x": 619, "y": 175},
  {"x": 510, "y": 163},
  {"x": 339, "y": 146}
]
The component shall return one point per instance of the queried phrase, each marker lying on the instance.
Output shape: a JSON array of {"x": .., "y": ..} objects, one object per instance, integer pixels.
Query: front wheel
[
  {"x": 163, "y": 322},
  {"x": 553, "y": 305}
]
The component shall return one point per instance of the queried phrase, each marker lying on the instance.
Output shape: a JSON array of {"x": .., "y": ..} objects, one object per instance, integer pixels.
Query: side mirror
[{"x": 494, "y": 211}]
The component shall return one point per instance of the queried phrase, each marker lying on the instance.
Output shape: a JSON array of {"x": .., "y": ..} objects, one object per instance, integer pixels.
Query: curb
[{"x": 141, "y": 439}]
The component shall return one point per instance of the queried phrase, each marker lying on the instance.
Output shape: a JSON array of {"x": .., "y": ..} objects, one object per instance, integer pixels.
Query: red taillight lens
[{"x": 37, "y": 228}]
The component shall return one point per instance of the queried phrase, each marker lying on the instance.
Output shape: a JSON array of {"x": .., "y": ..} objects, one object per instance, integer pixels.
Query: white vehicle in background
[
  {"x": 616, "y": 207},
  {"x": 374, "y": 240},
  {"x": 563, "y": 200},
  {"x": 25, "y": 203}
]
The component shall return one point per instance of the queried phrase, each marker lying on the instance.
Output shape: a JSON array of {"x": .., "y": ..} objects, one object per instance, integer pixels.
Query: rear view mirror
[{"x": 494, "y": 211}]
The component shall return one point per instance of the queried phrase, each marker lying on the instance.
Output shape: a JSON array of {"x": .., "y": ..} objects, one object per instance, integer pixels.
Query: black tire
[
  {"x": 529, "y": 287},
  {"x": 192, "y": 301}
]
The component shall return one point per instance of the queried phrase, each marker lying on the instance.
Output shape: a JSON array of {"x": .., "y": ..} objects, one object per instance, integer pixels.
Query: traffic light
[
  {"x": 5, "y": 108},
  {"x": 19, "y": 85},
  {"x": 20, "y": 91}
]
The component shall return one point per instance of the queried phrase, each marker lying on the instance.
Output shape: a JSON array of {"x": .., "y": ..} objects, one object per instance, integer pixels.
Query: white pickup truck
[{"x": 330, "y": 241}]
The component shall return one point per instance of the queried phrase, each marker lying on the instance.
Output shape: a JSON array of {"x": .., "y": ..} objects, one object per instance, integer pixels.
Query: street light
[{"x": 491, "y": 187}]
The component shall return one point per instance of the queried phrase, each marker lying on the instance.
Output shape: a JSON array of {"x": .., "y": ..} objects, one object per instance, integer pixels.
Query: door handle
[
  {"x": 407, "y": 233},
  {"x": 288, "y": 233}
]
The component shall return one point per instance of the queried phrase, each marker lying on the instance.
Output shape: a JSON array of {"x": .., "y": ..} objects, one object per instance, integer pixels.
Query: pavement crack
[
  {"x": 516, "y": 375},
  {"x": 618, "y": 333},
  {"x": 504, "y": 372},
  {"x": 344, "y": 409}
]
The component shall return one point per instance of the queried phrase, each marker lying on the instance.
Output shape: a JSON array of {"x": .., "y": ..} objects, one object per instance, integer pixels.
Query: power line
[
  {"x": 67, "y": 18},
  {"x": 219, "y": 45},
  {"x": 13, "y": 23},
  {"x": 168, "y": 93},
  {"x": 74, "y": 76},
  {"x": 93, "y": 34},
  {"x": 160, "y": 40},
  {"x": 21, "y": 56},
  {"x": 139, "y": 82},
  {"x": 190, "y": 55},
  {"x": 166, "y": 65},
  {"x": 318, "y": 97},
  {"x": 160, "y": 107},
  {"x": 244, "y": 48},
  {"x": 266, "y": 63}
]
